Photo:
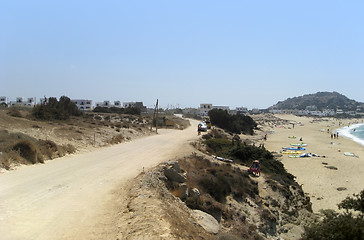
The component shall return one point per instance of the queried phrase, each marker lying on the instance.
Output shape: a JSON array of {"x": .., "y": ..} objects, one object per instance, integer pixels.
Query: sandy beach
[{"x": 327, "y": 179}]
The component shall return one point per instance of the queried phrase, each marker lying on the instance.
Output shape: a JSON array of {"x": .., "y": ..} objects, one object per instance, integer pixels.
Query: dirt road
[{"x": 53, "y": 200}]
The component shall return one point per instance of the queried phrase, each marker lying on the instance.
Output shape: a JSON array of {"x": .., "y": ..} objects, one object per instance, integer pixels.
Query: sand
[{"x": 327, "y": 187}]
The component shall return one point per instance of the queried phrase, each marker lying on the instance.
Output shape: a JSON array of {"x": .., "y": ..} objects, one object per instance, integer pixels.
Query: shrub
[
  {"x": 132, "y": 111},
  {"x": 14, "y": 112},
  {"x": 53, "y": 109},
  {"x": 232, "y": 123},
  {"x": 340, "y": 226},
  {"x": 116, "y": 139},
  {"x": 26, "y": 150}
]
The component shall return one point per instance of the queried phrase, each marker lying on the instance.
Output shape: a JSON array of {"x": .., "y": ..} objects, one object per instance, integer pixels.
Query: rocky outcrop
[
  {"x": 206, "y": 221},
  {"x": 172, "y": 172}
]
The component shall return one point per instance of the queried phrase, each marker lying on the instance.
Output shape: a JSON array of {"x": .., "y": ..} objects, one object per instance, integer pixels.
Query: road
[{"x": 50, "y": 201}]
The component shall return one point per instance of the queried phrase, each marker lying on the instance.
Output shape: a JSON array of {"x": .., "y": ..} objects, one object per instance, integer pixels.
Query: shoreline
[
  {"x": 346, "y": 132},
  {"x": 328, "y": 179}
]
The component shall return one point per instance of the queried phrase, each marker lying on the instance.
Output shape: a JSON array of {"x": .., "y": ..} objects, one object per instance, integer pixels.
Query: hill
[{"x": 320, "y": 101}]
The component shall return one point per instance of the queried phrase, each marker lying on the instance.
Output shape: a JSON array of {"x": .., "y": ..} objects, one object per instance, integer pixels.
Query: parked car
[
  {"x": 203, "y": 127},
  {"x": 208, "y": 123}
]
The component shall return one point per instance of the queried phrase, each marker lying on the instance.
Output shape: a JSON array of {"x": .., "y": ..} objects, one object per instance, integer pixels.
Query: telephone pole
[{"x": 155, "y": 118}]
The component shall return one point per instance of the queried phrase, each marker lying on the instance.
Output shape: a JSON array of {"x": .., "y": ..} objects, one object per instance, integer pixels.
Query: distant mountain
[{"x": 320, "y": 101}]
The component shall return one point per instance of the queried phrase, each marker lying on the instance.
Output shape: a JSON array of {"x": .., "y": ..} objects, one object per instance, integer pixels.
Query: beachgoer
[{"x": 301, "y": 139}]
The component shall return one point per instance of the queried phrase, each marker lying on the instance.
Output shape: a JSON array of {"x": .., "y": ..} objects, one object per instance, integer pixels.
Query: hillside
[
  {"x": 319, "y": 101},
  {"x": 25, "y": 140}
]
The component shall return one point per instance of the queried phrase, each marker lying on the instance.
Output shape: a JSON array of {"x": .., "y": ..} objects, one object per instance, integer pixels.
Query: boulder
[
  {"x": 173, "y": 175},
  {"x": 206, "y": 221}
]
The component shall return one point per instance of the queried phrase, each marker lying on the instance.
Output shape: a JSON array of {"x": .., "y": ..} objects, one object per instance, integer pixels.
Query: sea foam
[{"x": 354, "y": 132}]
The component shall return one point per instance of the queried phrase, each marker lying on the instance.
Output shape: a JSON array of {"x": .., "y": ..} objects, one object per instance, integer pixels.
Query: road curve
[{"x": 46, "y": 201}]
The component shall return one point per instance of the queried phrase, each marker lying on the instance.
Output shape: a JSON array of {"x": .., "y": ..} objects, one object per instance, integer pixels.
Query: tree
[
  {"x": 232, "y": 123},
  {"x": 54, "y": 109}
]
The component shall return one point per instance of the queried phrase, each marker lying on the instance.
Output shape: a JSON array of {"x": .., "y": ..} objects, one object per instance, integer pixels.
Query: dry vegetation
[
  {"x": 25, "y": 140},
  {"x": 245, "y": 207}
]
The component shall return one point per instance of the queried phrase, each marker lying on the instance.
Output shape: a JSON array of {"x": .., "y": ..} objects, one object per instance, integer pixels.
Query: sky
[{"x": 233, "y": 53}]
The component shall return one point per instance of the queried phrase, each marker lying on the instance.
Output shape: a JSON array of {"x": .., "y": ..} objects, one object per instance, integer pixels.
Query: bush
[
  {"x": 14, "y": 112},
  {"x": 340, "y": 226},
  {"x": 130, "y": 110},
  {"x": 26, "y": 150},
  {"x": 233, "y": 123},
  {"x": 246, "y": 154}
]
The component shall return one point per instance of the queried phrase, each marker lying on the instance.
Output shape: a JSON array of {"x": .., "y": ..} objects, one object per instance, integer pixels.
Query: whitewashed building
[
  {"x": 31, "y": 101},
  {"x": 117, "y": 104},
  {"x": 105, "y": 103},
  {"x": 242, "y": 110},
  {"x": 3, "y": 100},
  {"x": 138, "y": 105},
  {"x": 204, "y": 109},
  {"x": 83, "y": 104}
]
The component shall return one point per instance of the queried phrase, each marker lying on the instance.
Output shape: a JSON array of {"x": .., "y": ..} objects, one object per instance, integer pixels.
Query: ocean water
[{"x": 354, "y": 132}]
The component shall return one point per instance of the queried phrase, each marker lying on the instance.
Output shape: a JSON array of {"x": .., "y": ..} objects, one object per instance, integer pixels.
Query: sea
[{"x": 354, "y": 132}]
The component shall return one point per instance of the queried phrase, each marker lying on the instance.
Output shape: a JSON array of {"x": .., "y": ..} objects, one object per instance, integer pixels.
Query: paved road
[{"x": 47, "y": 201}]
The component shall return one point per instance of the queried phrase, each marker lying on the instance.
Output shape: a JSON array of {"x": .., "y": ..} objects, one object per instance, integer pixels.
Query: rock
[
  {"x": 183, "y": 191},
  {"x": 173, "y": 175},
  {"x": 174, "y": 165},
  {"x": 195, "y": 192},
  {"x": 207, "y": 222}
]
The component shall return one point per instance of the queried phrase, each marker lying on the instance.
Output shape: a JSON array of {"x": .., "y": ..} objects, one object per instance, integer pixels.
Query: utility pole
[
  {"x": 156, "y": 122},
  {"x": 155, "y": 118}
]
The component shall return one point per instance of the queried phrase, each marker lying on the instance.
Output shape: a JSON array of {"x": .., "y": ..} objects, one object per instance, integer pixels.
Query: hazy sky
[{"x": 236, "y": 53}]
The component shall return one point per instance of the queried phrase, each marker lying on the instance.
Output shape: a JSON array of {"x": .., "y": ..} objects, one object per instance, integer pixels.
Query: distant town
[{"x": 202, "y": 110}]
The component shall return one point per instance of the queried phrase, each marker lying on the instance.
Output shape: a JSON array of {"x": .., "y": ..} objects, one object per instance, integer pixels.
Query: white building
[
  {"x": 117, "y": 104},
  {"x": 83, "y": 104},
  {"x": 204, "y": 109},
  {"x": 242, "y": 110},
  {"x": 138, "y": 105},
  {"x": 105, "y": 103},
  {"x": 31, "y": 101},
  {"x": 3, "y": 101},
  {"x": 20, "y": 101}
]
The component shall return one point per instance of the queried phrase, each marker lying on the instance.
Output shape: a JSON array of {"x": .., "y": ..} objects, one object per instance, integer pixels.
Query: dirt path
[{"x": 59, "y": 199}]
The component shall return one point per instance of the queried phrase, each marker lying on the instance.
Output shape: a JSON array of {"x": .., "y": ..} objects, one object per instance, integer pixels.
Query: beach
[{"x": 334, "y": 175}]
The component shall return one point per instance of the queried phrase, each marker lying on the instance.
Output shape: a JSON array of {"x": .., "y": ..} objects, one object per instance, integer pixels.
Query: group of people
[{"x": 334, "y": 135}]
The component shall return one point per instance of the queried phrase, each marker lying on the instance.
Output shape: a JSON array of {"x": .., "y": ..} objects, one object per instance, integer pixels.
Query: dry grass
[
  {"x": 18, "y": 148},
  {"x": 76, "y": 133},
  {"x": 215, "y": 182}
]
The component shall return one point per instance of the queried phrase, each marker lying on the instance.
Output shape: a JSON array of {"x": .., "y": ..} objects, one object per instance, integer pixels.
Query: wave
[{"x": 353, "y": 132}]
